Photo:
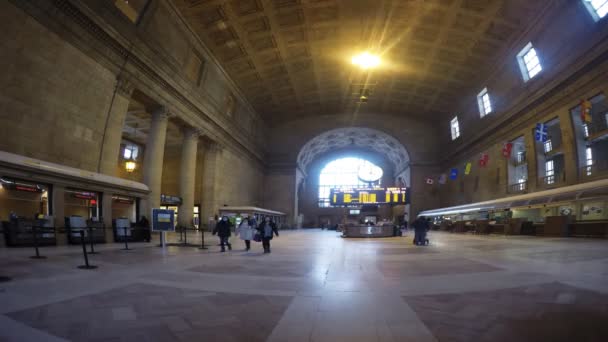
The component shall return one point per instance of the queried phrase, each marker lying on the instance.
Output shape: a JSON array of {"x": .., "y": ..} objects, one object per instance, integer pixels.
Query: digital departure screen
[{"x": 342, "y": 197}]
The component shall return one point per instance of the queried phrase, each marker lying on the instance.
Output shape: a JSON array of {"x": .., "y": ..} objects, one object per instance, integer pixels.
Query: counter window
[
  {"x": 81, "y": 203},
  {"x": 23, "y": 199}
]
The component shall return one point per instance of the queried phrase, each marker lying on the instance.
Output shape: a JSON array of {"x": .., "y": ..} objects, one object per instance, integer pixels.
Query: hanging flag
[
  {"x": 467, "y": 168},
  {"x": 483, "y": 160},
  {"x": 506, "y": 149},
  {"x": 453, "y": 174},
  {"x": 443, "y": 178},
  {"x": 586, "y": 111},
  {"x": 429, "y": 181},
  {"x": 540, "y": 133}
]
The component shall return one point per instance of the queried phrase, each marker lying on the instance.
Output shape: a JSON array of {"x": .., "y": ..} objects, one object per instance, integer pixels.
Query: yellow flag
[{"x": 467, "y": 168}]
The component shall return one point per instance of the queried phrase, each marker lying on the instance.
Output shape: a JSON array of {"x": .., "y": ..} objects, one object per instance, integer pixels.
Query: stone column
[
  {"x": 187, "y": 177},
  {"x": 531, "y": 159},
  {"x": 106, "y": 214},
  {"x": 110, "y": 147},
  {"x": 211, "y": 165},
  {"x": 568, "y": 146},
  {"x": 153, "y": 160},
  {"x": 58, "y": 198}
]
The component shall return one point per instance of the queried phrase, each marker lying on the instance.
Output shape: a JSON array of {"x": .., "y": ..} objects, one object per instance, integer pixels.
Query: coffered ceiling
[{"x": 291, "y": 58}]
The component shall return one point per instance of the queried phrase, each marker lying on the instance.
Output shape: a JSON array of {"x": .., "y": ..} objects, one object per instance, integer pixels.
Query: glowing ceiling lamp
[{"x": 366, "y": 60}]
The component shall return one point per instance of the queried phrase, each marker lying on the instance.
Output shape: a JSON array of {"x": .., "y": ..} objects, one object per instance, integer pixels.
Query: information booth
[{"x": 368, "y": 225}]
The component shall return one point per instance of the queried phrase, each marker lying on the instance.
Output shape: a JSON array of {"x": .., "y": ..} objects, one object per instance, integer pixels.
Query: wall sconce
[{"x": 130, "y": 166}]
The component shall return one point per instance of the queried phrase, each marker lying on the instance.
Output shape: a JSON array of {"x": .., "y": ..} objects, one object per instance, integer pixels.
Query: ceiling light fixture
[{"x": 366, "y": 60}]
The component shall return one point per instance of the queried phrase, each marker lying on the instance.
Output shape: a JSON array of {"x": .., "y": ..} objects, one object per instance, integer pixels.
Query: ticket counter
[
  {"x": 23, "y": 199},
  {"x": 82, "y": 203}
]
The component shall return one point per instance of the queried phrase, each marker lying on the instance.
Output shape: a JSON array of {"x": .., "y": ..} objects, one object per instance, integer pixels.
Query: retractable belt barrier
[
  {"x": 183, "y": 237},
  {"x": 86, "y": 235},
  {"x": 86, "y": 265},
  {"x": 36, "y": 231}
]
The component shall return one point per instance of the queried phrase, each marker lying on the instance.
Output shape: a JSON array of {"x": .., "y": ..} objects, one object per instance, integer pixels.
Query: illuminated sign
[{"x": 340, "y": 197}]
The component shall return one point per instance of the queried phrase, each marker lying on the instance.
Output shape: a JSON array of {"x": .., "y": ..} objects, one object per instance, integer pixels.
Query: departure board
[{"x": 342, "y": 197}]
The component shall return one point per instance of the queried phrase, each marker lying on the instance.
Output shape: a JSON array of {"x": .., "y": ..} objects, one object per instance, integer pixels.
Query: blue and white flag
[
  {"x": 453, "y": 174},
  {"x": 540, "y": 133}
]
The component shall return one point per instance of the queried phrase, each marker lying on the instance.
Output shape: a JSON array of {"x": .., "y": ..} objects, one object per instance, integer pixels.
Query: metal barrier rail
[{"x": 85, "y": 232}]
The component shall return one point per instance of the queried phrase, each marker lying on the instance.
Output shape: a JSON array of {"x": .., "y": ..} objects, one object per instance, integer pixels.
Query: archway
[{"x": 356, "y": 142}]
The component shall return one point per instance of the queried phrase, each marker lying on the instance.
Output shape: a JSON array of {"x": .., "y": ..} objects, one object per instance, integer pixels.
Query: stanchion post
[
  {"x": 126, "y": 242},
  {"x": 91, "y": 241},
  {"x": 86, "y": 265},
  {"x": 185, "y": 235},
  {"x": 202, "y": 239},
  {"x": 35, "y": 233}
]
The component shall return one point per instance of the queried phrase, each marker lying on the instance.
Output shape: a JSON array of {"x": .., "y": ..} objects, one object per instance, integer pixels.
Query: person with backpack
[
  {"x": 421, "y": 226},
  {"x": 222, "y": 229},
  {"x": 266, "y": 230}
]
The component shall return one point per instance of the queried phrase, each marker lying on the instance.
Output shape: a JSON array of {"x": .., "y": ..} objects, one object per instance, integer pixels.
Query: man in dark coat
[
  {"x": 267, "y": 228},
  {"x": 421, "y": 226},
  {"x": 222, "y": 229}
]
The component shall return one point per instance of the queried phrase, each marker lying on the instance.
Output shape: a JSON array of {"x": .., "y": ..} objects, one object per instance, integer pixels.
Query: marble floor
[{"x": 314, "y": 286}]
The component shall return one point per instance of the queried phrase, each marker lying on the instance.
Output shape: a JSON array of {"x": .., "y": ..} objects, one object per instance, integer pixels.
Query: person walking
[
  {"x": 222, "y": 229},
  {"x": 267, "y": 228},
  {"x": 245, "y": 232}
]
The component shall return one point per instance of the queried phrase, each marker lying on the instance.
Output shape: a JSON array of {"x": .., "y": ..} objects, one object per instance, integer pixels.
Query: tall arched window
[{"x": 347, "y": 173}]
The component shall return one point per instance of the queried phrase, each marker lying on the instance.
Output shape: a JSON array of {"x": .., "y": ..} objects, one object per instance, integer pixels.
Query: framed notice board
[{"x": 163, "y": 220}]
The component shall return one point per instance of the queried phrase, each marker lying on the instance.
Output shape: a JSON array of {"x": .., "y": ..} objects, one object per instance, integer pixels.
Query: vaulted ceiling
[{"x": 291, "y": 58}]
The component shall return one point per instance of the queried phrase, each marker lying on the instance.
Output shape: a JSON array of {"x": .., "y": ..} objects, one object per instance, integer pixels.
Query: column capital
[
  {"x": 192, "y": 133},
  {"x": 161, "y": 113},
  {"x": 214, "y": 146},
  {"x": 124, "y": 86}
]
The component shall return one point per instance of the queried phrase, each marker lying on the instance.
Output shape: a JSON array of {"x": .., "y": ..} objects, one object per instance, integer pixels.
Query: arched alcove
[
  {"x": 366, "y": 143},
  {"x": 355, "y": 137}
]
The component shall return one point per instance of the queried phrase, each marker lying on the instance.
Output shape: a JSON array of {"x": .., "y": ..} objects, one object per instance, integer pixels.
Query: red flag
[
  {"x": 483, "y": 160},
  {"x": 506, "y": 150},
  {"x": 585, "y": 111}
]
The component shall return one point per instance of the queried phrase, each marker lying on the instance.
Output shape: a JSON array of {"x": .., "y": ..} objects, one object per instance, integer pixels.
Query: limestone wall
[
  {"x": 418, "y": 137},
  {"x": 54, "y": 99},
  {"x": 573, "y": 51}
]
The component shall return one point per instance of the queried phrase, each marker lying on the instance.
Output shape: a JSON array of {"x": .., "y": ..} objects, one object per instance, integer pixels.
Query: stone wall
[
  {"x": 573, "y": 51},
  {"x": 239, "y": 182},
  {"x": 416, "y": 135},
  {"x": 54, "y": 99}
]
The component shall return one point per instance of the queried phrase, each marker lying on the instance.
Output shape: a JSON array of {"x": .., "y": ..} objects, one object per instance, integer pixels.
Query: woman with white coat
[{"x": 245, "y": 231}]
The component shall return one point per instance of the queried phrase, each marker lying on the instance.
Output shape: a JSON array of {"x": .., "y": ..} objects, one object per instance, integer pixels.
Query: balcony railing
[
  {"x": 518, "y": 187},
  {"x": 598, "y": 128},
  {"x": 519, "y": 159},
  {"x": 552, "y": 180},
  {"x": 597, "y": 169}
]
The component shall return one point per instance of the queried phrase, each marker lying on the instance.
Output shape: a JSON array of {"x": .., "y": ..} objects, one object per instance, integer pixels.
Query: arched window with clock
[{"x": 347, "y": 173}]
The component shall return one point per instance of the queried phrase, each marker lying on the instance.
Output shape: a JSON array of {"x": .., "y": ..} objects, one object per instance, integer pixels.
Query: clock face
[{"x": 369, "y": 172}]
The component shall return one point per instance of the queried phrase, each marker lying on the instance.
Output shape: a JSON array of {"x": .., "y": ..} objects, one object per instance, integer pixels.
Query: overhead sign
[
  {"x": 340, "y": 197},
  {"x": 163, "y": 220}
]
